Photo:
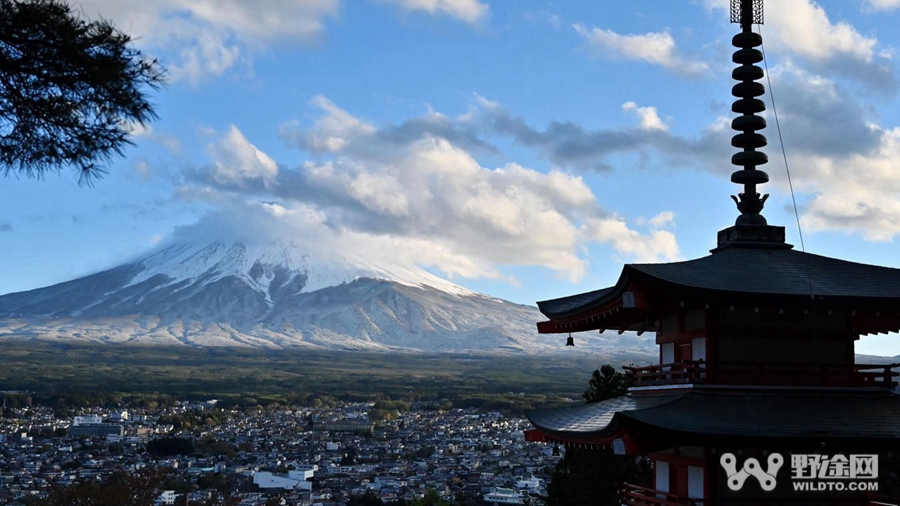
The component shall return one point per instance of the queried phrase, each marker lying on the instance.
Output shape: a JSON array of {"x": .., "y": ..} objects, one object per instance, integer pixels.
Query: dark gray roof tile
[
  {"x": 779, "y": 272},
  {"x": 572, "y": 302},
  {"x": 761, "y": 414},
  {"x": 593, "y": 419},
  {"x": 749, "y": 271}
]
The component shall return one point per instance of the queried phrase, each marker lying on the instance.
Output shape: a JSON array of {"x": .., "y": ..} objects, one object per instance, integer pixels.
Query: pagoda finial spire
[
  {"x": 750, "y": 229},
  {"x": 748, "y": 13}
]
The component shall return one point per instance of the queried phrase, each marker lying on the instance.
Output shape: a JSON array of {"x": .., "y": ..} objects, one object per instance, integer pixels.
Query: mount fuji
[{"x": 278, "y": 295}]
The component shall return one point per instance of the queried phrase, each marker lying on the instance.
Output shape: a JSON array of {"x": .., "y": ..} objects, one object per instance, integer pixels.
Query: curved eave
[
  {"x": 739, "y": 277},
  {"x": 574, "y": 305},
  {"x": 595, "y": 423},
  {"x": 731, "y": 418},
  {"x": 615, "y": 317}
]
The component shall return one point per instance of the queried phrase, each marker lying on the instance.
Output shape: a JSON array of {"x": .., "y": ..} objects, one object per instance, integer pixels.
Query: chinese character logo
[
  {"x": 751, "y": 467},
  {"x": 836, "y": 467}
]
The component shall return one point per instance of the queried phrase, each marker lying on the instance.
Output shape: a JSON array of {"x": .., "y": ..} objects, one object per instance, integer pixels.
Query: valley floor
[{"x": 499, "y": 381}]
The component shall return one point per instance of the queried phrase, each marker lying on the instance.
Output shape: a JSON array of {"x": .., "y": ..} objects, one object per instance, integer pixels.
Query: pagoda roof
[
  {"x": 745, "y": 273},
  {"x": 703, "y": 416}
]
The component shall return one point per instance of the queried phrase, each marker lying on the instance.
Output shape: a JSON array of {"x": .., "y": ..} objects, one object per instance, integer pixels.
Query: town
[{"x": 331, "y": 455}]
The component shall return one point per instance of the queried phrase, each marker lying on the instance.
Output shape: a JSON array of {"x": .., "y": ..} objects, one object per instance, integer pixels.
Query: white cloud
[
  {"x": 143, "y": 170},
  {"x": 265, "y": 20},
  {"x": 657, "y": 48},
  {"x": 200, "y": 38},
  {"x": 208, "y": 54},
  {"x": 407, "y": 191},
  {"x": 857, "y": 192},
  {"x": 883, "y": 5},
  {"x": 653, "y": 246},
  {"x": 235, "y": 160},
  {"x": 136, "y": 129},
  {"x": 716, "y": 4},
  {"x": 845, "y": 166},
  {"x": 408, "y": 251},
  {"x": 238, "y": 218},
  {"x": 332, "y": 131},
  {"x": 379, "y": 192},
  {"x": 146, "y": 131},
  {"x": 844, "y": 161},
  {"x": 802, "y": 28},
  {"x": 662, "y": 219},
  {"x": 553, "y": 20},
  {"x": 432, "y": 189},
  {"x": 649, "y": 116},
  {"x": 469, "y": 11}
]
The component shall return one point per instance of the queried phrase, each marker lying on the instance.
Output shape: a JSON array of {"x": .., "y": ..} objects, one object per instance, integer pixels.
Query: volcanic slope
[{"x": 280, "y": 295}]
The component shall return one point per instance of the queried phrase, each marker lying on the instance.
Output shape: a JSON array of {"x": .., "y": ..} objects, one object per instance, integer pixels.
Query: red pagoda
[{"x": 756, "y": 398}]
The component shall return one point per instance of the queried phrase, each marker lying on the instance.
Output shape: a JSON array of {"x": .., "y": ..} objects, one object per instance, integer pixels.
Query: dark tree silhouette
[
  {"x": 69, "y": 89},
  {"x": 367, "y": 499},
  {"x": 169, "y": 446},
  {"x": 431, "y": 499},
  {"x": 135, "y": 489},
  {"x": 591, "y": 477},
  {"x": 606, "y": 383},
  {"x": 217, "y": 499},
  {"x": 889, "y": 474}
]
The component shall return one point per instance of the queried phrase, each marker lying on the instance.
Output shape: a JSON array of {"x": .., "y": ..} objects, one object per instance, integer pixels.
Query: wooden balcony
[
  {"x": 698, "y": 372},
  {"x": 634, "y": 495},
  {"x": 877, "y": 375},
  {"x": 668, "y": 374}
]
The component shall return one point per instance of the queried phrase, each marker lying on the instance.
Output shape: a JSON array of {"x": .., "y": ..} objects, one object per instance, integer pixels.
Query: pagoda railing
[
  {"x": 634, "y": 495},
  {"x": 685, "y": 373},
  {"x": 667, "y": 374},
  {"x": 831, "y": 375},
  {"x": 882, "y": 375}
]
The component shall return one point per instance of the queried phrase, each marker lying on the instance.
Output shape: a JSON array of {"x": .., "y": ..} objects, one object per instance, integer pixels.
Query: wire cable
[
  {"x": 812, "y": 296},
  {"x": 787, "y": 168}
]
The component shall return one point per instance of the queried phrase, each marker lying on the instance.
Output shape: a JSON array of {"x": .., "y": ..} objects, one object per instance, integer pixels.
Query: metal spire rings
[{"x": 748, "y": 106}]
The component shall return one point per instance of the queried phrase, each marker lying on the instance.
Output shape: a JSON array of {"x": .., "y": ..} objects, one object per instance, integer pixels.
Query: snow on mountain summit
[{"x": 288, "y": 264}]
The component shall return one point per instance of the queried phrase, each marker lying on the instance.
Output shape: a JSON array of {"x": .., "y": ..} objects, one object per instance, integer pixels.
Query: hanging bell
[
  {"x": 556, "y": 450},
  {"x": 570, "y": 341}
]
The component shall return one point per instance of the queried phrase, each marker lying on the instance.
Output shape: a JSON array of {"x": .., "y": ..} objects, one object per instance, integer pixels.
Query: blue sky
[{"x": 525, "y": 149}]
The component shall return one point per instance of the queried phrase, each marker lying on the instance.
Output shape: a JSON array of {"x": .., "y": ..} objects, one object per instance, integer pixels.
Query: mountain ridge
[{"x": 277, "y": 295}]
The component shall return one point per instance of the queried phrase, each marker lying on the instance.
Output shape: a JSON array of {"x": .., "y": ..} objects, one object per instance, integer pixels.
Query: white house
[
  {"x": 295, "y": 480},
  {"x": 167, "y": 497},
  {"x": 87, "y": 420}
]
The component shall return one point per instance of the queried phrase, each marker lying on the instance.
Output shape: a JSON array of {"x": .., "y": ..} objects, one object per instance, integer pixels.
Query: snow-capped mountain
[
  {"x": 285, "y": 268},
  {"x": 276, "y": 295}
]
